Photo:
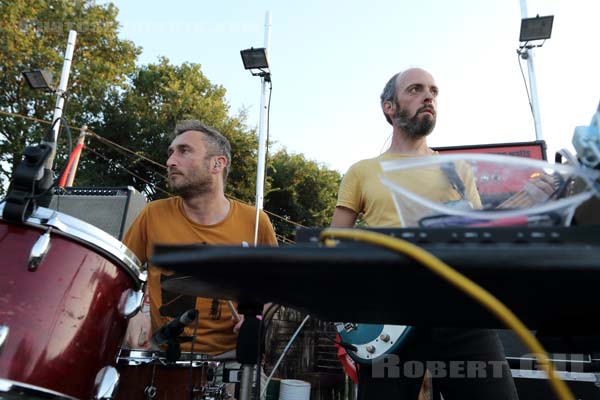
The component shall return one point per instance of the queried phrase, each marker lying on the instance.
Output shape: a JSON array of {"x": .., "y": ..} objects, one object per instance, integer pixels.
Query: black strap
[{"x": 455, "y": 180}]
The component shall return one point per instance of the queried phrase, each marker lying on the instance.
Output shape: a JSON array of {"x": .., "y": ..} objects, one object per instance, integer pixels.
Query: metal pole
[
  {"x": 262, "y": 134},
  {"x": 60, "y": 100},
  {"x": 246, "y": 382},
  {"x": 535, "y": 108}
]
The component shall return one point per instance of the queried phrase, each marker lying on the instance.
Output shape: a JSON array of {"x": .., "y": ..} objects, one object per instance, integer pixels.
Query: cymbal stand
[{"x": 247, "y": 351}]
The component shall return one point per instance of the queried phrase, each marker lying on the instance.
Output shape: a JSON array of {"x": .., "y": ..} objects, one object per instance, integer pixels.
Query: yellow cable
[{"x": 464, "y": 284}]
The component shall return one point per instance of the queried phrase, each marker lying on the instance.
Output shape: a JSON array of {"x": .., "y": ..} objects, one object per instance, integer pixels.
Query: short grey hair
[
  {"x": 389, "y": 94},
  {"x": 216, "y": 143}
]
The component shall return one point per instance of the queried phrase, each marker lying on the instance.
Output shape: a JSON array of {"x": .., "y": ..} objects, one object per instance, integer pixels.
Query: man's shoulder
[
  {"x": 365, "y": 164},
  {"x": 161, "y": 204},
  {"x": 242, "y": 207},
  {"x": 245, "y": 211}
]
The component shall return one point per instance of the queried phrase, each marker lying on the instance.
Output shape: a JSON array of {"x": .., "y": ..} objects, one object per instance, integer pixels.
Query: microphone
[{"x": 174, "y": 328}]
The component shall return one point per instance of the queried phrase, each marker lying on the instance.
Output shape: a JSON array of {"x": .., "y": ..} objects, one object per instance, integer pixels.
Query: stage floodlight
[
  {"x": 255, "y": 58},
  {"x": 538, "y": 28},
  {"x": 39, "y": 79}
]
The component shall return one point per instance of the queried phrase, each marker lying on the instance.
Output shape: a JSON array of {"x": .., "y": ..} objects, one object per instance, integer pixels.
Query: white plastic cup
[{"x": 293, "y": 389}]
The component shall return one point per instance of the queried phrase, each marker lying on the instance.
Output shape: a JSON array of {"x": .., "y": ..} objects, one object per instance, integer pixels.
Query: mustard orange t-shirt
[{"x": 164, "y": 222}]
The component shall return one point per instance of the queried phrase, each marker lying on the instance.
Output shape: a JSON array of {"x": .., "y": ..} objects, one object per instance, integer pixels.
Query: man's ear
[
  {"x": 389, "y": 108},
  {"x": 220, "y": 162}
]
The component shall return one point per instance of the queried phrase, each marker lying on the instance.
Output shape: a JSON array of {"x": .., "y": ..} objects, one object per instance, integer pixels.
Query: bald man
[{"x": 464, "y": 363}]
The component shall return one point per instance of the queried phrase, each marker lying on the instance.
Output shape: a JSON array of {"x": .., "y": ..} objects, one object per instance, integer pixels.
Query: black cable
[
  {"x": 268, "y": 125},
  {"x": 268, "y": 318},
  {"x": 37, "y": 196},
  {"x": 345, "y": 345},
  {"x": 69, "y": 136},
  {"x": 49, "y": 137},
  {"x": 526, "y": 87},
  {"x": 262, "y": 331},
  {"x": 269, "y": 112},
  {"x": 259, "y": 360}
]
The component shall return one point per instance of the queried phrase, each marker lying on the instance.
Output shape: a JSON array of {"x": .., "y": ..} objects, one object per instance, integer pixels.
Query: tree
[
  {"x": 136, "y": 108},
  {"x": 34, "y": 36},
  {"x": 142, "y": 118},
  {"x": 300, "y": 190}
]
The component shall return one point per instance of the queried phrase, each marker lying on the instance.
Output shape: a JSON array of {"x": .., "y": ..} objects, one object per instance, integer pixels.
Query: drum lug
[
  {"x": 39, "y": 250},
  {"x": 131, "y": 302},
  {"x": 150, "y": 392},
  {"x": 106, "y": 383},
  {"x": 3, "y": 334}
]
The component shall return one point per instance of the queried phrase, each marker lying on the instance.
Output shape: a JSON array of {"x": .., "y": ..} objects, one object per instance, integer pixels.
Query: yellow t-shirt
[
  {"x": 362, "y": 191},
  {"x": 163, "y": 222}
]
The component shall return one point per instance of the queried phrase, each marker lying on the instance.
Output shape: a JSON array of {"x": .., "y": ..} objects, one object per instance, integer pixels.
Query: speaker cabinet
[{"x": 111, "y": 209}]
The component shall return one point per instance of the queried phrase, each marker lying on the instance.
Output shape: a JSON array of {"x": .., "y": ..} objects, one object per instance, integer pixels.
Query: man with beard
[
  {"x": 198, "y": 164},
  {"x": 409, "y": 103}
]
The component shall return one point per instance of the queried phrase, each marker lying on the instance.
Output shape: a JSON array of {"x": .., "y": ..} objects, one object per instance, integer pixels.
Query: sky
[{"x": 330, "y": 60}]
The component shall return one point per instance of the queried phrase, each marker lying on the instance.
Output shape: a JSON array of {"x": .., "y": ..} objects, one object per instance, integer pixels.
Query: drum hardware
[
  {"x": 29, "y": 180},
  {"x": 169, "y": 334},
  {"x": 139, "y": 357},
  {"x": 218, "y": 392},
  {"x": 4, "y": 330},
  {"x": 147, "y": 374},
  {"x": 248, "y": 343},
  {"x": 131, "y": 302},
  {"x": 246, "y": 382},
  {"x": 106, "y": 383},
  {"x": 151, "y": 391},
  {"x": 231, "y": 375},
  {"x": 86, "y": 234},
  {"x": 39, "y": 250},
  {"x": 17, "y": 390}
]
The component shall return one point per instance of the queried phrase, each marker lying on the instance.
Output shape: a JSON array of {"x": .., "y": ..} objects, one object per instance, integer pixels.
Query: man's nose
[
  {"x": 429, "y": 98},
  {"x": 171, "y": 160}
]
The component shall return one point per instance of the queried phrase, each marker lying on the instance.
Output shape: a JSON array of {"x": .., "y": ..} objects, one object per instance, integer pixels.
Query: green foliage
[
  {"x": 300, "y": 190},
  {"x": 136, "y": 108},
  {"x": 143, "y": 116},
  {"x": 33, "y": 35}
]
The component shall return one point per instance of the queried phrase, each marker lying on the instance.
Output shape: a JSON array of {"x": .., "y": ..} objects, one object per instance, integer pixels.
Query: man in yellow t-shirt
[
  {"x": 409, "y": 104},
  {"x": 198, "y": 163}
]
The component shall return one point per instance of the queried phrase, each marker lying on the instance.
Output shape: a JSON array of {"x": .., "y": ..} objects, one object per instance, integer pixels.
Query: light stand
[
  {"x": 257, "y": 62},
  {"x": 533, "y": 29}
]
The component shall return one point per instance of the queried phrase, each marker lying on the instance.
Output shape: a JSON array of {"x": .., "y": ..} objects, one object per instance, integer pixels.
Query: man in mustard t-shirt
[
  {"x": 409, "y": 104},
  {"x": 198, "y": 163}
]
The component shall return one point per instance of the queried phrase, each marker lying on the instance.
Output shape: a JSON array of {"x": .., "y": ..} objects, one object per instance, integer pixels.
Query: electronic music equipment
[
  {"x": 548, "y": 276},
  {"x": 112, "y": 209}
]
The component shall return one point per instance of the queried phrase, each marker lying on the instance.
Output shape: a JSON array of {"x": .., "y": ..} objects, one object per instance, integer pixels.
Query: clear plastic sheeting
[{"x": 485, "y": 190}]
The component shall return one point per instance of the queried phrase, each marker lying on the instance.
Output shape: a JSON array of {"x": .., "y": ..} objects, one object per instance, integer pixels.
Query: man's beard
[
  {"x": 414, "y": 127},
  {"x": 192, "y": 185}
]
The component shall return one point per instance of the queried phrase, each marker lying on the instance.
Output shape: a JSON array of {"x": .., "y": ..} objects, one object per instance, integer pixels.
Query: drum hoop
[
  {"x": 138, "y": 357},
  {"x": 89, "y": 235},
  {"x": 20, "y": 389}
]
